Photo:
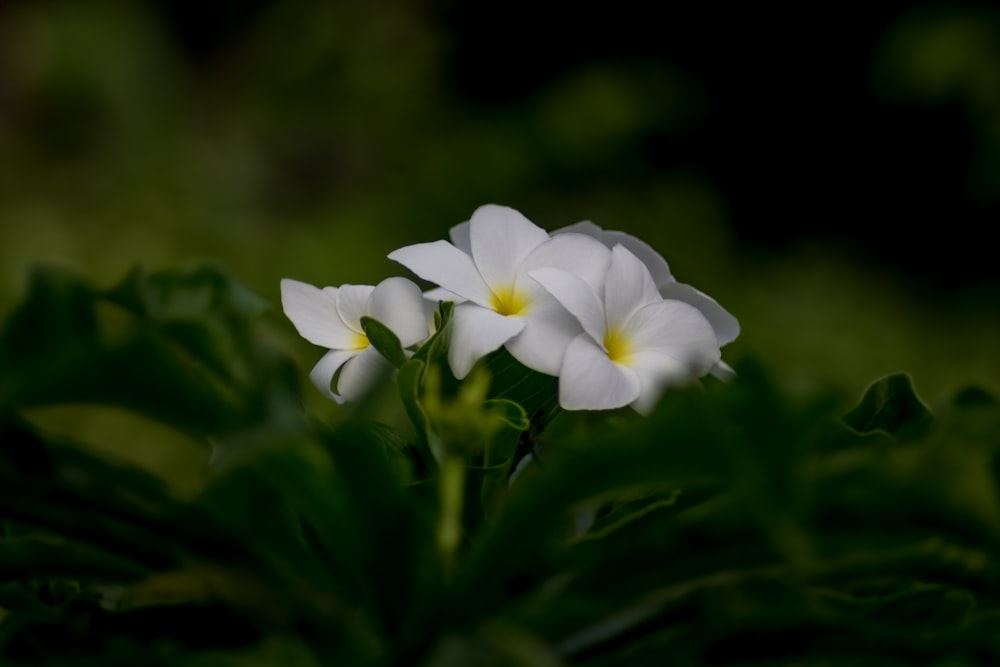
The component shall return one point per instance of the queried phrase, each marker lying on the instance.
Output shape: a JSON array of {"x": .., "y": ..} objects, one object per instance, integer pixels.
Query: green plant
[{"x": 735, "y": 525}]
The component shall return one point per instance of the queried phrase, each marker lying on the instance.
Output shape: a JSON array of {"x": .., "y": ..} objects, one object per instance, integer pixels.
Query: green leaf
[
  {"x": 497, "y": 645},
  {"x": 176, "y": 346},
  {"x": 68, "y": 491},
  {"x": 907, "y": 602},
  {"x": 889, "y": 405},
  {"x": 515, "y": 548},
  {"x": 509, "y": 414},
  {"x": 27, "y": 558},
  {"x": 536, "y": 392},
  {"x": 387, "y": 436},
  {"x": 270, "y": 651},
  {"x": 57, "y": 310},
  {"x": 387, "y": 532},
  {"x": 384, "y": 340},
  {"x": 434, "y": 353},
  {"x": 411, "y": 377},
  {"x": 975, "y": 397},
  {"x": 435, "y": 348},
  {"x": 408, "y": 380},
  {"x": 508, "y": 422},
  {"x": 200, "y": 307},
  {"x": 626, "y": 513},
  {"x": 22, "y": 596}
]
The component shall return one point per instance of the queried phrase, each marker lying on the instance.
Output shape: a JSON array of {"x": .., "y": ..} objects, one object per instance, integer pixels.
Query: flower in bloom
[
  {"x": 331, "y": 318},
  {"x": 725, "y": 326},
  {"x": 634, "y": 343},
  {"x": 486, "y": 272}
]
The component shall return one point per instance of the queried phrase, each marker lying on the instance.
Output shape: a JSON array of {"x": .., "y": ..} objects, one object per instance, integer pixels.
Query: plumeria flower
[
  {"x": 725, "y": 326},
  {"x": 486, "y": 273},
  {"x": 634, "y": 343},
  {"x": 331, "y": 318}
]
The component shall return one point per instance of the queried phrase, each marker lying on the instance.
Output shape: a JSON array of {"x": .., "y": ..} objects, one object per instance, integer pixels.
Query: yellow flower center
[
  {"x": 508, "y": 301},
  {"x": 359, "y": 342},
  {"x": 618, "y": 346}
]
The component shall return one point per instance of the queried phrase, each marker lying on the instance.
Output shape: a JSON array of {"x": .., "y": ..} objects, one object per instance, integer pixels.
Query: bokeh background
[{"x": 830, "y": 176}]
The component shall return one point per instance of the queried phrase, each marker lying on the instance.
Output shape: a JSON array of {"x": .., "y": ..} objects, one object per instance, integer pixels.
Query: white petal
[
  {"x": 322, "y": 374},
  {"x": 314, "y": 313},
  {"x": 443, "y": 264},
  {"x": 431, "y": 308},
  {"x": 352, "y": 304},
  {"x": 726, "y": 327},
  {"x": 590, "y": 381},
  {"x": 438, "y": 294},
  {"x": 475, "y": 333},
  {"x": 399, "y": 304},
  {"x": 576, "y": 296},
  {"x": 658, "y": 267},
  {"x": 676, "y": 330},
  {"x": 628, "y": 288},
  {"x": 459, "y": 235},
  {"x": 583, "y": 227},
  {"x": 501, "y": 238},
  {"x": 654, "y": 261},
  {"x": 581, "y": 255},
  {"x": 656, "y": 372},
  {"x": 548, "y": 330},
  {"x": 361, "y": 374},
  {"x": 723, "y": 371}
]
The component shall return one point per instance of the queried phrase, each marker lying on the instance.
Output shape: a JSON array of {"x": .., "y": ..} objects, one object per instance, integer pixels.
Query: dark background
[{"x": 795, "y": 121}]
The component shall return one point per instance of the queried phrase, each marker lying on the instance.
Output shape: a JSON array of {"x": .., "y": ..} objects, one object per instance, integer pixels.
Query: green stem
[{"x": 451, "y": 481}]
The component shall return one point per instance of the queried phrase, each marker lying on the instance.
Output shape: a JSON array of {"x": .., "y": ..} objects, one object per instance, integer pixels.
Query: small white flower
[
  {"x": 485, "y": 272},
  {"x": 725, "y": 326},
  {"x": 635, "y": 342},
  {"x": 331, "y": 318}
]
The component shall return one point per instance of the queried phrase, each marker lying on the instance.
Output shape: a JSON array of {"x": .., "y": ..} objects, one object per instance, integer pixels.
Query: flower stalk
[{"x": 451, "y": 489}]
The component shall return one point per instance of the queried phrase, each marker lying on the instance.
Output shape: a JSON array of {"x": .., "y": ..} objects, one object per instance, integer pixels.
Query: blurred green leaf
[
  {"x": 516, "y": 547},
  {"x": 387, "y": 536},
  {"x": 175, "y": 345},
  {"x": 733, "y": 524},
  {"x": 71, "y": 492},
  {"x": 905, "y": 602},
  {"x": 889, "y": 405},
  {"x": 975, "y": 397},
  {"x": 202, "y": 309},
  {"x": 33, "y": 558},
  {"x": 285, "y": 651},
  {"x": 626, "y": 513}
]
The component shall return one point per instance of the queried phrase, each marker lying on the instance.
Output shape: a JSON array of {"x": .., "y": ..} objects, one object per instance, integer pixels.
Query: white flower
[
  {"x": 725, "y": 326},
  {"x": 331, "y": 318},
  {"x": 486, "y": 273},
  {"x": 635, "y": 342}
]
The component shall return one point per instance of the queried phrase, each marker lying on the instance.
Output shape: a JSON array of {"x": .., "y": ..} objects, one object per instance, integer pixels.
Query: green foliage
[
  {"x": 175, "y": 346},
  {"x": 384, "y": 340},
  {"x": 889, "y": 405},
  {"x": 735, "y": 525}
]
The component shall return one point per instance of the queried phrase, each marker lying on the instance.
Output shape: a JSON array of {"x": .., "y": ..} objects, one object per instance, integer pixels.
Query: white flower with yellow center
[
  {"x": 331, "y": 318},
  {"x": 725, "y": 326},
  {"x": 486, "y": 272},
  {"x": 635, "y": 342}
]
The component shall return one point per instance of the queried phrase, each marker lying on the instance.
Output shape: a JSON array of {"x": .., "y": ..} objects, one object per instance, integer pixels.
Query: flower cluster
[{"x": 599, "y": 309}]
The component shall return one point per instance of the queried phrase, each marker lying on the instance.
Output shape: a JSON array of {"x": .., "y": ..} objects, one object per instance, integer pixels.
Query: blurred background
[{"x": 831, "y": 177}]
